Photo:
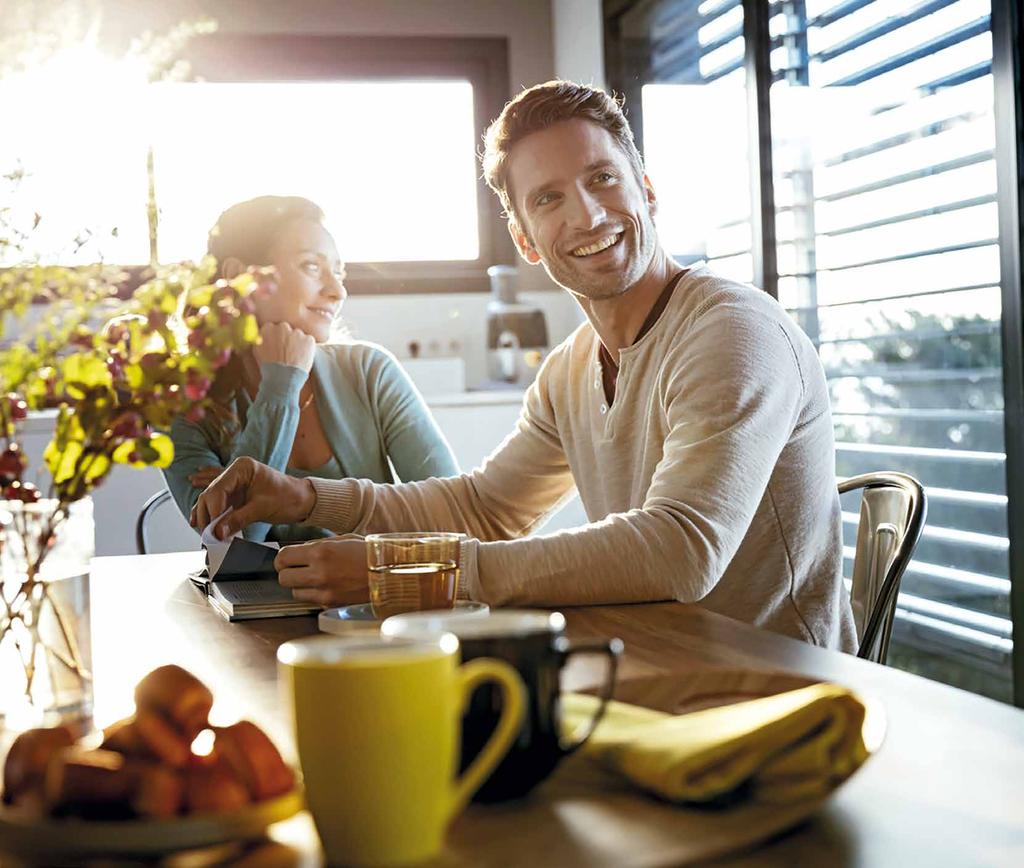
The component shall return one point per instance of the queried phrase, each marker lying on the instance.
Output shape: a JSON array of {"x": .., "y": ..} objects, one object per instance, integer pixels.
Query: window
[
  {"x": 888, "y": 253},
  {"x": 392, "y": 163},
  {"x": 881, "y": 233},
  {"x": 688, "y": 58},
  {"x": 381, "y": 133}
]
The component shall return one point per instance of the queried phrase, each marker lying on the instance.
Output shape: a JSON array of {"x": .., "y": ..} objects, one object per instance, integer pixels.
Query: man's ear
[
  {"x": 523, "y": 243},
  {"x": 652, "y": 199},
  {"x": 231, "y": 267}
]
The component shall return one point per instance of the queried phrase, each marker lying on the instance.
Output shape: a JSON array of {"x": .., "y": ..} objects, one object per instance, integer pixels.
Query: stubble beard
[{"x": 607, "y": 286}]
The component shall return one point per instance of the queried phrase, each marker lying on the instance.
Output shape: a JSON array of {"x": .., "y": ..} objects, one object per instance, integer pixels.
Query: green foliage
[{"x": 153, "y": 361}]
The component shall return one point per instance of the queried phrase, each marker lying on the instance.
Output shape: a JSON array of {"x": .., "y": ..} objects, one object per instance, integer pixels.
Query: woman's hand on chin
[
  {"x": 327, "y": 572},
  {"x": 286, "y": 345}
]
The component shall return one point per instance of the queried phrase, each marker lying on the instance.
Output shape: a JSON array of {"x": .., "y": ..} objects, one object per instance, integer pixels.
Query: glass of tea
[{"x": 411, "y": 572}]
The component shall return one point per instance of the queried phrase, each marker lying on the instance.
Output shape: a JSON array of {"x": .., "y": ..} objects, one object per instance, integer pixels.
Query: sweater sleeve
[
  {"x": 413, "y": 441},
  {"x": 506, "y": 497},
  {"x": 268, "y": 436}
]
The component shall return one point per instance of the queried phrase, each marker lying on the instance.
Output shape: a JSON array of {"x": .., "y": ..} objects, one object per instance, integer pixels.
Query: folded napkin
[{"x": 783, "y": 748}]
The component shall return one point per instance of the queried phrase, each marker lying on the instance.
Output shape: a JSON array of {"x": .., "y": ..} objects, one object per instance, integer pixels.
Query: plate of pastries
[{"x": 144, "y": 789}]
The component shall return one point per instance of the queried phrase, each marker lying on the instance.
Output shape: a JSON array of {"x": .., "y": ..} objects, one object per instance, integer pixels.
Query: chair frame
[
  {"x": 149, "y": 507},
  {"x": 878, "y": 628}
]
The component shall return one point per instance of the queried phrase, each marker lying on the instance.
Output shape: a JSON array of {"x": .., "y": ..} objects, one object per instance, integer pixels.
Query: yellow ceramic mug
[{"x": 377, "y": 724}]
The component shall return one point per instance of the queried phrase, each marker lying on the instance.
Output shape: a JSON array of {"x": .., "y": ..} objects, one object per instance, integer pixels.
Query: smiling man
[{"x": 689, "y": 411}]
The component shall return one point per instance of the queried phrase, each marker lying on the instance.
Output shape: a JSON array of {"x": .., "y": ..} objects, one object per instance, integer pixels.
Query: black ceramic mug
[{"x": 535, "y": 644}]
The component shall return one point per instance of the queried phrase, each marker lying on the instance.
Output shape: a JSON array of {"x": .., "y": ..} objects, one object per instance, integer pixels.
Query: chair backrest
[
  {"x": 160, "y": 527},
  {"x": 892, "y": 514}
]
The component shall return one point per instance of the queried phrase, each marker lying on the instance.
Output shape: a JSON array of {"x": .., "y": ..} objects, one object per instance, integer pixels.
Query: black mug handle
[{"x": 612, "y": 649}]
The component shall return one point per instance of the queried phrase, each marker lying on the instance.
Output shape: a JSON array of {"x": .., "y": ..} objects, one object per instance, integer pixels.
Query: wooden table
[{"x": 947, "y": 788}]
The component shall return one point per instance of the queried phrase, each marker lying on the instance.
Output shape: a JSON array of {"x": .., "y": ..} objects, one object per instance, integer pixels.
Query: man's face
[{"x": 581, "y": 210}]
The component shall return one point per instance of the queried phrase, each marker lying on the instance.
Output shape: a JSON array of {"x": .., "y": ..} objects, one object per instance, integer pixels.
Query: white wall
[{"x": 578, "y": 36}]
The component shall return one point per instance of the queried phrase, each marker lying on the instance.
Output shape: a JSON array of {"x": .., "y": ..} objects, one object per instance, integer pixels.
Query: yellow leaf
[
  {"x": 133, "y": 374},
  {"x": 61, "y": 462},
  {"x": 86, "y": 369},
  {"x": 122, "y": 452},
  {"x": 164, "y": 448},
  {"x": 98, "y": 466},
  {"x": 251, "y": 329}
]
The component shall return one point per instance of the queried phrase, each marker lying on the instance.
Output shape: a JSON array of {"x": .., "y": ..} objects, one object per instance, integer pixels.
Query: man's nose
[{"x": 586, "y": 211}]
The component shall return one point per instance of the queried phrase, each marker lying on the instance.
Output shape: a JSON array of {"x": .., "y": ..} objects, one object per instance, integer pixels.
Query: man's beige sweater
[{"x": 710, "y": 479}]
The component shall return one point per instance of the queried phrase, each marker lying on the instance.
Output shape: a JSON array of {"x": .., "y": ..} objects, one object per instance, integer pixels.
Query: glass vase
[{"x": 45, "y": 647}]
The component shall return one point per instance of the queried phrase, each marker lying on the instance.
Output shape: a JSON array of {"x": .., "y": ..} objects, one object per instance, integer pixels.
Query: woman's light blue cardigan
[{"x": 370, "y": 412}]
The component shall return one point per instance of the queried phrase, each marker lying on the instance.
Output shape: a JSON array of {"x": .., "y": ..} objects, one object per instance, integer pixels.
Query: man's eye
[
  {"x": 604, "y": 177},
  {"x": 544, "y": 199},
  {"x": 311, "y": 267}
]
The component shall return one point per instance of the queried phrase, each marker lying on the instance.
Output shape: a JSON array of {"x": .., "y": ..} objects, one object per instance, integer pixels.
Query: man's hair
[
  {"x": 247, "y": 230},
  {"x": 536, "y": 109}
]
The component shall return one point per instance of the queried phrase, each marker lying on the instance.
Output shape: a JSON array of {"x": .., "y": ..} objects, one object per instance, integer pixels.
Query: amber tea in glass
[{"x": 410, "y": 572}]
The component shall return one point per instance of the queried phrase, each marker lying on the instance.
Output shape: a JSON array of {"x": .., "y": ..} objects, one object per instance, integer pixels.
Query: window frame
[{"x": 235, "y": 57}]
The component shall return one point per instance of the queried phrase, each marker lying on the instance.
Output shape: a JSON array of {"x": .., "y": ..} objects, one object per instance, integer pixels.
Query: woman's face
[{"x": 310, "y": 281}]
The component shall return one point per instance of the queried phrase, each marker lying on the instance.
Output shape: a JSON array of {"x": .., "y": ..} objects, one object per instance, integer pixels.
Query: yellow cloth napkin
[{"x": 782, "y": 748}]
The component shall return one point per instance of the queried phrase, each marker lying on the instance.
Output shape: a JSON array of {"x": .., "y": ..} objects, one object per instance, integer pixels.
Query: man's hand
[
  {"x": 280, "y": 342},
  {"x": 328, "y": 572},
  {"x": 205, "y": 475},
  {"x": 257, "y": 493}
]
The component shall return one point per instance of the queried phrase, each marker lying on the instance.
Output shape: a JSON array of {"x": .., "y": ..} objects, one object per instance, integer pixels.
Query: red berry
[
  {"x": 156, "y": 319},
  {"x": 197, "y": 391},
  {"x": 129, "y": 425},
  {"x": 153, "y": 360},
  {"x": 18, "y": 408},
  {"x": 26, "y": 492},
  {"x": 12, "y": 464}
]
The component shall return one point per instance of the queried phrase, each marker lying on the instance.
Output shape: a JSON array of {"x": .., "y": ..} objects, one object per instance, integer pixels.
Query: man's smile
[{"x": 598, "y": 246}]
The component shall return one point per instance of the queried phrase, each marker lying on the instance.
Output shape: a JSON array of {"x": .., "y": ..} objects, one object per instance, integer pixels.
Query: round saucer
[{"x": 347, "y": 619}]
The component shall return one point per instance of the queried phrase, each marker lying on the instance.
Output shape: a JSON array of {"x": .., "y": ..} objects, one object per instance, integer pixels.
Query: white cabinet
[{"x": 475, "y": 423}]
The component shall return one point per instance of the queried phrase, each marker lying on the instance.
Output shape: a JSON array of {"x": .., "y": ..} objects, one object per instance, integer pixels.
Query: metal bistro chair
[
  {"x": 892, "y": 515},
  {"x": 145, "y": 514}
]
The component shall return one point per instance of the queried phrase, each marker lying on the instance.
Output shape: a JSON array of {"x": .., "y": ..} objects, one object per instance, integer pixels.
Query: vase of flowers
[{"x": 117, "y": 373}]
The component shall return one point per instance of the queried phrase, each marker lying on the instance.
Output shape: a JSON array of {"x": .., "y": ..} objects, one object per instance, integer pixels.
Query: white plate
[
  {"x": 30, "y": 836},
  {"x": 347, "y": 619}
]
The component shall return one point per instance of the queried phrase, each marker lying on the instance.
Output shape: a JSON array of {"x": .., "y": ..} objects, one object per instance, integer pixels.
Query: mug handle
[
  {"x": 612, "y": 649},
  {"x": 513, "y": 707}
]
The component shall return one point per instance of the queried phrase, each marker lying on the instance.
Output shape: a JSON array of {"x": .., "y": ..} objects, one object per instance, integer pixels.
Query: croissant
[
  {"x": 179, "y": 696},
  {"x": 250, "y": 754},
  {"x": 25, "y": 766},
  {"x": 211, "y": 787},
  {"x": 148, "y": 735},
  {"x": 104, "y": 784}
]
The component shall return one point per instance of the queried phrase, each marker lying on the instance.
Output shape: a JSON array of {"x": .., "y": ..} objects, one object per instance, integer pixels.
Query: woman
[{"x": 296, "y": 402}]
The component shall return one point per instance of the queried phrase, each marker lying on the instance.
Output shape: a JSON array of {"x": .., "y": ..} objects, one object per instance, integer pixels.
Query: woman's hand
[
  {"x": 328, "y": 572},
  {"x": 281, "y": 343},
  {"x": 205, "y": 475},
  {"x": 256, "y": 493}
]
